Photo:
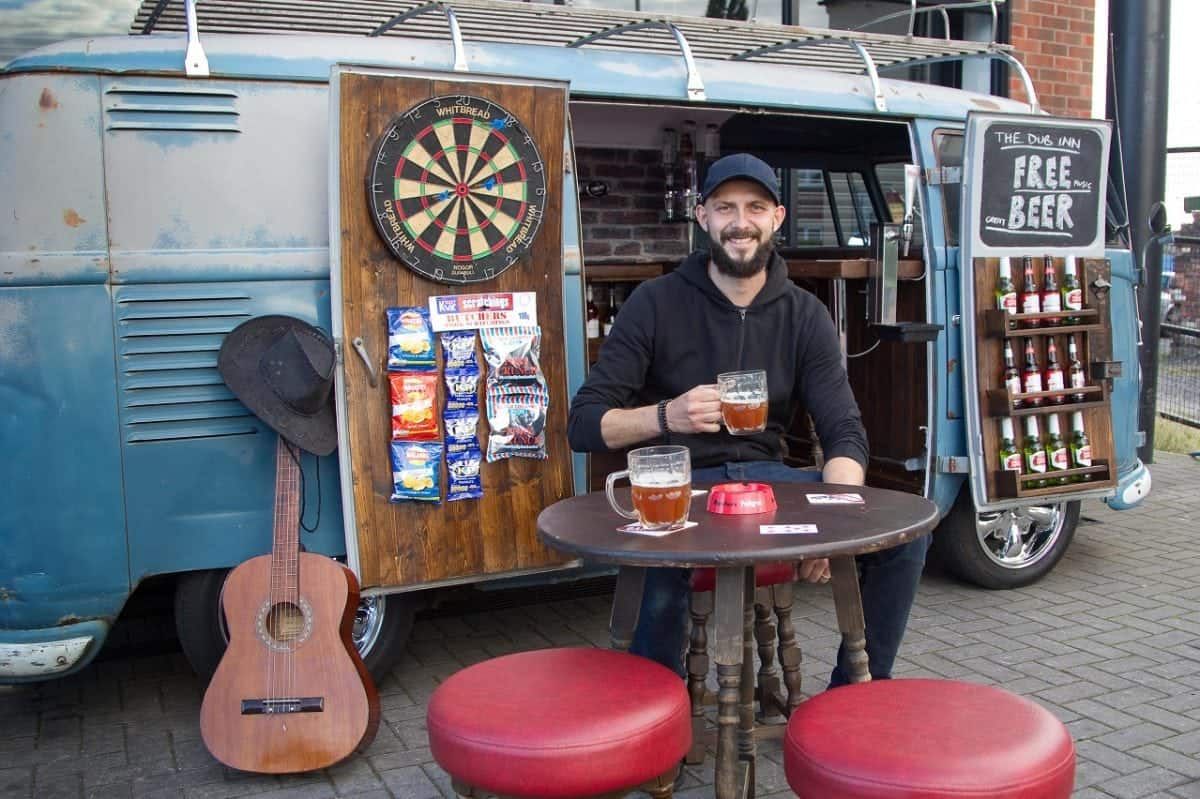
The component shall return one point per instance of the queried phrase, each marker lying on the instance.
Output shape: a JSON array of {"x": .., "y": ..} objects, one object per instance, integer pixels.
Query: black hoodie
[{"x": 679, "y": 331}]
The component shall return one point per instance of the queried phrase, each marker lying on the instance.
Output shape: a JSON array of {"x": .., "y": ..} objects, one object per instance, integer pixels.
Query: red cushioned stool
[
  {"x": 926, "y": 739},
  {"x": 561, "y": 724}
]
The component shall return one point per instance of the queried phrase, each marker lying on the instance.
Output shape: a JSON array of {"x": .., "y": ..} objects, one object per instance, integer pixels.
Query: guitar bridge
[{"x": 298, "y": 704}]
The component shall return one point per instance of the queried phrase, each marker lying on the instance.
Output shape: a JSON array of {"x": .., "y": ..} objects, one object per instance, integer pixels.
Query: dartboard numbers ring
[{"x": 457, "y": 189}]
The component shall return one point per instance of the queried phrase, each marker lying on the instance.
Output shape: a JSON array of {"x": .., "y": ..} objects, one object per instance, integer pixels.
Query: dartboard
[{"x": 457, "y": 189}]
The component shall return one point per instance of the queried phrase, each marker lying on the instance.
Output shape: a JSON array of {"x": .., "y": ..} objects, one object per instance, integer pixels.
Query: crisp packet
[
  {"x": 416, "y": 471},
  {"x": 462, "y": 467},
  {"x": 414, "y": 397},
  {"x": 462, "y": 388},
  {"x": 517, "y": 417},
  {"x": 458, "y": 350},
  {"x": 461, "y": 425},
  {"x": 512, "y": 353},
  {"x": 410, "y": 340}
]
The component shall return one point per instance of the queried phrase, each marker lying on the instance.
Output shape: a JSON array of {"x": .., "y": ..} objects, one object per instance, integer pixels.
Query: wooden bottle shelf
[
  {"x": 1012, "y": 485},
  {"x": 1000, "y": 324},
  {"x": 1000, "y": 402}
]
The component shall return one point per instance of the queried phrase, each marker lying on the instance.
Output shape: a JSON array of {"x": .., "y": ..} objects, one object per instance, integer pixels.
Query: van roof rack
[{"x": 850, "y": 52}]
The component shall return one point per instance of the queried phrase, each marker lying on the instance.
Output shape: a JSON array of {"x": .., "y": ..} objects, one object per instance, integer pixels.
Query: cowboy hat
[{"x": 281, "y": 368}]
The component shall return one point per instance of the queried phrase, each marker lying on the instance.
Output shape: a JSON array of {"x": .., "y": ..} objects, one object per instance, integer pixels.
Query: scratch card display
[
  {"x": 462, "y": 466},
  {"x": 413, "y": 400},
  {"x": 517, "y": 417},
  {"x": 416, "y": 469},
  {"x": 410, "y": 340},
  {"x": 512, "y": 353}
]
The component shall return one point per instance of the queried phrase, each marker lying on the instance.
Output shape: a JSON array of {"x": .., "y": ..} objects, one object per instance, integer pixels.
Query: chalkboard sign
[{"x": 1035, "y": 185}]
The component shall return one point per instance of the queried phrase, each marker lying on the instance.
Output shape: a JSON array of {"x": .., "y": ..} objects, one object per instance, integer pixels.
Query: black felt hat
[{"x": 281, "y": 368}]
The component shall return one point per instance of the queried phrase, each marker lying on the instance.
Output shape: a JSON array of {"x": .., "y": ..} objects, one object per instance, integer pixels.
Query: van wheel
[
  {"x": 381, "y": 624},
  {"x": 1004, "y": 549}
]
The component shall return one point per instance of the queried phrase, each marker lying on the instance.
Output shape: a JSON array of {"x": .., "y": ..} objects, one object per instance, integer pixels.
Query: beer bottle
[
  {"x": 1034, "y": 452},
  {"x": 1010, "y": 458},
  {"x": 1052, "y": 379},
  {"x": 1031, "y": 299},
  {"x": 1006, "y": 291},
  {"x": 1051, "y": 301},
  {"x": 1072, "y": 292},
  {"x": 1081, "y": 447},
  {"x": 1075, "y": 370},
  {"x": 1012, "y": 378},
  {"x": 610, "y": 315},
  {"x": 1057, "y": 459},
  {"x": 593, "y": 316},
  {"x": 1031, "y": 375}
]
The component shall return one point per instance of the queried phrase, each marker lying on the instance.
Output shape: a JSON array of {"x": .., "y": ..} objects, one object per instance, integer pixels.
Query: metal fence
[{"x": 1179, "y": 374}]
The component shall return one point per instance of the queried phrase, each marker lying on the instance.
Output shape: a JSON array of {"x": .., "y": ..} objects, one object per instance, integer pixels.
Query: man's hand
[
  {"x": 815, "y": 571},
  {"x": 696, "y": 411}
]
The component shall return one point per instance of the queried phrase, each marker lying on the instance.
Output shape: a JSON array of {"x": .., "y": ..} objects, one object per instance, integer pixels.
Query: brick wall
[
  {"x": 625, "y": 224},
  {"x": 1053, "y": 39}
]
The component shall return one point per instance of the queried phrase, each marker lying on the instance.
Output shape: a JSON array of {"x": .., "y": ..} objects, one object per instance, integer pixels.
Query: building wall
[
  {"x": 626, "y": 223},
  {"x": 1054, "y": 39}
]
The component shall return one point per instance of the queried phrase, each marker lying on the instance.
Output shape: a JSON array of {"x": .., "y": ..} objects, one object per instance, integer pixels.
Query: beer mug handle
[{"x": 612, "y": 498}]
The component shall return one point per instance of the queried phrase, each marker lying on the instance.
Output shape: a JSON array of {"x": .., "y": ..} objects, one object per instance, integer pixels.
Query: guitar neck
[{"x": 285, "y": 546}]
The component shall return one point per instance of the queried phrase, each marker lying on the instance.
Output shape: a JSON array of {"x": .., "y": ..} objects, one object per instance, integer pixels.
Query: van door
[
  {"x": 448, "y": 189},
  {"x": 1037, "y": 348}
]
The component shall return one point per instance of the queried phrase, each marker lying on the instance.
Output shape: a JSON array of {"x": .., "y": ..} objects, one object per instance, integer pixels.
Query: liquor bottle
[
  {"x": 1076, "y": 375},
  {"x": 593, "y": 317},
  {"x": 1057, "y": 458},
  {"x": 712, "y": 143},
  {"x": 1072, "y": 292},
  {"x": 1031, "y": 375},
  {"x": 1081, "y": 446},
  {"x": 1031, "y": 299},
  {"x": 1052, "y": 378},
  {"x": 1012, "y": 378},
  {"x": 1006, "y": 291},
  {"x": 1051, "y": 300},
  {"x": 610, "y": 313},
  {"x": 1032, "y": 449},
  {"x": 1010, "y": 457}
]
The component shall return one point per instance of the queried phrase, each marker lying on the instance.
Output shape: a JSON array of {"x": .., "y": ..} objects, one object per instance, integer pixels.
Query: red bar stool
[
  {"x": 773, "y": 591},
  {"x": 561, "y": 724},
  {"x": 926, "y": 739}
]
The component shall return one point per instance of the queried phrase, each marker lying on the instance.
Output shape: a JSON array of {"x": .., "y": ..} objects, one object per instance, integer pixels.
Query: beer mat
[
  {"x": 787, "y": 529},
  {"x": 637, "y": 529},
  {"x": 835, "y": 499}
]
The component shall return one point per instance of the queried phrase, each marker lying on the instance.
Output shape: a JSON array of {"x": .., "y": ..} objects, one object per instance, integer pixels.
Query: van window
[
  {"x": 829, "y": 209},
  {"x": 948, "y": 146},
  {"x": 854, "y": 209}
]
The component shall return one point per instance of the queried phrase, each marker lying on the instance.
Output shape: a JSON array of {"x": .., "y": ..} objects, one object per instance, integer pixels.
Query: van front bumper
[
  {"x": 1132, "y": 488},
  {"x": 37, "y": 655}
]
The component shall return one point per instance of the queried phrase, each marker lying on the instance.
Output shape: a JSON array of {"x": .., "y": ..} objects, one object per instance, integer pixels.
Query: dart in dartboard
[{"x": 456, "y": 188}]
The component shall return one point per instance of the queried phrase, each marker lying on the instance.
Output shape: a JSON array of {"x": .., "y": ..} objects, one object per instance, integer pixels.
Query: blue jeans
[{"x": 888, "y": 581}]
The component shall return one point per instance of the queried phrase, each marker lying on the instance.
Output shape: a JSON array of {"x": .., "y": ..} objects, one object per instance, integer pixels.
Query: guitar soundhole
[{"x": 284, "y": 625}]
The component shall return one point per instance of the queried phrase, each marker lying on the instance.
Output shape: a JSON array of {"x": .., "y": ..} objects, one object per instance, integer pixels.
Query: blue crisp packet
[
  {"x": 462, "y": 465},
  {"x": 462, "y": 388},
  {"x": 410, "y": 340},
  {"x": 458, "y": 350},
  {"x": 461, "y": 425},
  {"x": 416, "y": 471}
]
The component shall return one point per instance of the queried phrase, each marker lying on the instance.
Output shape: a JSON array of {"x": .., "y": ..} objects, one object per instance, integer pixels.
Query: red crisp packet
[{"x": 414, "y": 400}]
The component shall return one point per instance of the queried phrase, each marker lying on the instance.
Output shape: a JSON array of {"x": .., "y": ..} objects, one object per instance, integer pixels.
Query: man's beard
[{"x": 733, "y": 267}]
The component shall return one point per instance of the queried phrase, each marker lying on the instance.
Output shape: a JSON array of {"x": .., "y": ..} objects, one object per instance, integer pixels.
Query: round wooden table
[{"x": 586, "y": 526}]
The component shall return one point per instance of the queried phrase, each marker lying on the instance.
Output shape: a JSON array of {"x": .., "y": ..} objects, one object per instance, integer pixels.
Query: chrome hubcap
[
  {"x": 1017, "y": 538},
  {"x": 368, "y": 621}
]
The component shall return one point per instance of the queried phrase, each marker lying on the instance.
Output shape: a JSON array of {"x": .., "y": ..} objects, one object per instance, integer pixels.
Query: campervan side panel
[{"x": 62, "y": 525}]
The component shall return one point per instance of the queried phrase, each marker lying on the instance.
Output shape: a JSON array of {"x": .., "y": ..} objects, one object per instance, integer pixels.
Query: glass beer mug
[
  {"x": 661, "y": 480},
  {"x": 743, "y": 401}
]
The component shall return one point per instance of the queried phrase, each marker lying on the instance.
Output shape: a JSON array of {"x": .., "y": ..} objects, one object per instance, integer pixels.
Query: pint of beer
[
  {"x": 743, "y": 401},
  {"x": 661, "y": 480}
]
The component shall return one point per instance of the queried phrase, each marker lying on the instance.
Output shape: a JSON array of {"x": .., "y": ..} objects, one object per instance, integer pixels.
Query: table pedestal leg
[
  {"x": 627, "y": 602},
  {"x": 848, "y": 602},
  {"x": 728, "y": 644},
  {"x": 746, "y": 747}
]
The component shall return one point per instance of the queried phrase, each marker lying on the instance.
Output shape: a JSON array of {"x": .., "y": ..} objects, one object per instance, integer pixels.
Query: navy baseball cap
[{"x": 740, "y": 166}]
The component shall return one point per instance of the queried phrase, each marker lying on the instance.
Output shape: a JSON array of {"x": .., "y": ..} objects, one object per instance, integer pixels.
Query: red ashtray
[{"x": 741, "y": 498}]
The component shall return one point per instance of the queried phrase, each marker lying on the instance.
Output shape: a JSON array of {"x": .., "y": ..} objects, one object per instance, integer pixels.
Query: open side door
[
  {"x": 1034, "y": 190},
  {"x": 444, "y": 187}
]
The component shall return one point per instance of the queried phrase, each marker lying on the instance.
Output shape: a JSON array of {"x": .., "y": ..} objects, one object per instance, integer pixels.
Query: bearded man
[{"x": 733, "y": 308}]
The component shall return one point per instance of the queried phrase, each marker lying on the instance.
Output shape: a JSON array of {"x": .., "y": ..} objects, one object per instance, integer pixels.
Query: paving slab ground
[{"x": 1110, "y": 642}]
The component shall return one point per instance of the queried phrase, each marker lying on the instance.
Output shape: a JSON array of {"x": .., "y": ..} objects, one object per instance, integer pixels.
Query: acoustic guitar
[{"x": 291, "y": 693}]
